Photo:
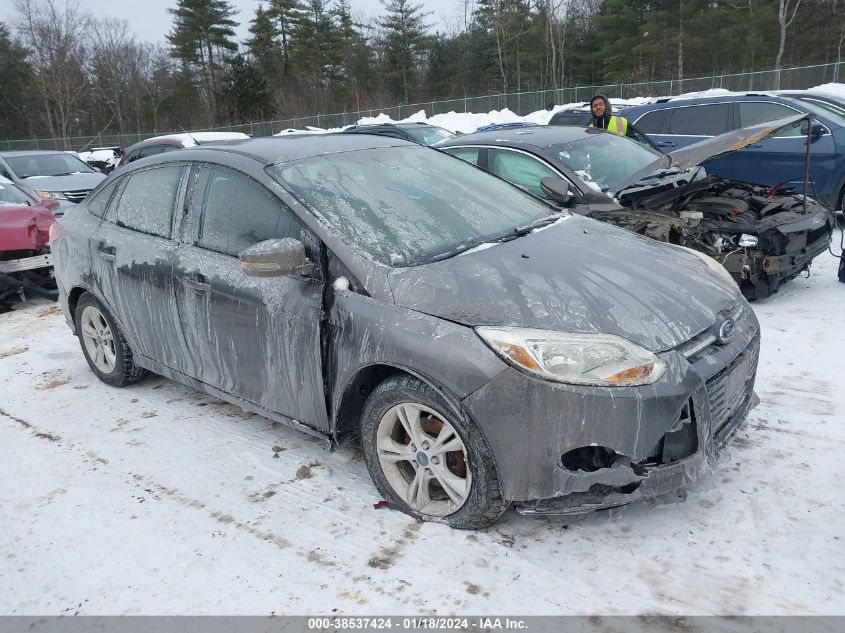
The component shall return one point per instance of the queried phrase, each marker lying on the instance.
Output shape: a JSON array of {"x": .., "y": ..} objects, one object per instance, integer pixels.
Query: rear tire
[
  {"x": 425, "y": 459},
  {"x": 103, "y": 344}
]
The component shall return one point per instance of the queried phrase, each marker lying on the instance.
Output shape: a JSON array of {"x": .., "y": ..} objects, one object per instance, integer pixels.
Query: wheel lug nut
[
  {"x": 413, "y": 448},
  {"x": 435, "y": 461},
  {"x": 425, "y": 446},
  {"x": 428, "y": 471}
]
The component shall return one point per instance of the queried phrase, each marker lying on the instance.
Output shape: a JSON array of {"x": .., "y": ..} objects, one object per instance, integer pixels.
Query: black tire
[
  {"x": 124, "y": 372},
  {"x": 483, "y": 504}
]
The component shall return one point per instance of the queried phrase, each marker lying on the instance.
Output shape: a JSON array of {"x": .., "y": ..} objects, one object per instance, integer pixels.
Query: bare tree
[
  {"x": 56, "y": 40},
  {"x": 113, "y": 61},
  {"x": 785, "y": 21},
  {"x": 156, "y": 66}
]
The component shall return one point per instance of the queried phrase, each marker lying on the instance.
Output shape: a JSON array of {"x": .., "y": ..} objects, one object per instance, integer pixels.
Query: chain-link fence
[{"x": 520, "y": 103}]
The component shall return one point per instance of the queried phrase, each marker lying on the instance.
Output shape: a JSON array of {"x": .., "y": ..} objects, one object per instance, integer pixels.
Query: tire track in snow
[{"x": 43, "y": 435}]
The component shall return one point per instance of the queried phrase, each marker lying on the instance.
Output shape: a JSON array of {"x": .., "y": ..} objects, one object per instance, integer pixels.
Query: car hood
[
  {"x": 710, "y": 149},
  {"x": 73, "y": 182},
  {"x": 578, "y": 275}
]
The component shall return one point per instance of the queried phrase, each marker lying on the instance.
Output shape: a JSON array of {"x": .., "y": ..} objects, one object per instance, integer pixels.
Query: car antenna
[{"x": 190, "y": 136}]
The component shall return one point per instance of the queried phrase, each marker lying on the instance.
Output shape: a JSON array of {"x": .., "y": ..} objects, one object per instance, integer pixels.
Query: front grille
[
  {"x": 700, "y": 344},
  {"x": 76, "y": 196},
  {"x": 730, "y": 392}
]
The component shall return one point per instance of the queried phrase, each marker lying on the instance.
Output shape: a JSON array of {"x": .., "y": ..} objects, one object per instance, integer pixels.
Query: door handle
[
  {"x": 756, "y": 145},
  {"x": 666, "y": 144}
]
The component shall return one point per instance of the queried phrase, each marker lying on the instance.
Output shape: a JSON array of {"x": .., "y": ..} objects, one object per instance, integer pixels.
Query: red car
[{"x": 26, "y": 268}]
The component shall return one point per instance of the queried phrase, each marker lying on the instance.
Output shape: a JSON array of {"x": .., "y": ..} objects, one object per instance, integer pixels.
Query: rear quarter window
[
  {"x": 99, "y": 202},
  {"x": 147, "y": 202},
  {"x": 700, "y": 120}
]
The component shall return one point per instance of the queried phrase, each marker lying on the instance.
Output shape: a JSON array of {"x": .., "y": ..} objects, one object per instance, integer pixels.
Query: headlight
[
  {"x": 715, "y": 266},
  {"x": 53, "y": 195},
  {"x": 578, "y": 359}
]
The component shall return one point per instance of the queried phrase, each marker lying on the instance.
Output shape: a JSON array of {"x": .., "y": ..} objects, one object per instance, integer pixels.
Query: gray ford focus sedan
[{"x": 483, "y": 348}]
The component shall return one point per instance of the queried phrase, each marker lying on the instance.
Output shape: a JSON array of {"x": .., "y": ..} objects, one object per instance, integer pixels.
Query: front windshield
[
  {"x": 826, "y": 109},
  {"x": 403, "y": 206},
  {"x": 9, "y": 194},
  {"x": 59, "y": 164},
  {"x": 429, "y": 134},
  {"x": 604, "y": 160}
]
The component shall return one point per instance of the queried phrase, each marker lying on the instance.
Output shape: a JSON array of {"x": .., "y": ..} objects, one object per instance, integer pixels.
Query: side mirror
[
  {"x": 557, "y": 189},
  {"x": 275, "y": 258},
  {"x": 814, "y": 127}
]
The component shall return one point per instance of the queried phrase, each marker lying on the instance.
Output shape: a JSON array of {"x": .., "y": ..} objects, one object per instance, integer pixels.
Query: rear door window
[
  {"x": 701, "y": 120},
  {"x": 237, "y": 213},
  {"x": 147, "y": 202},
  {"x": 653, "y": 122}
]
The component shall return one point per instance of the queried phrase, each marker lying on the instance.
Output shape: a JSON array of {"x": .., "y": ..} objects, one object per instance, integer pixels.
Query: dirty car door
[
  {"x": 255, "y": 338},
  {"x": 133, "y": 262}
]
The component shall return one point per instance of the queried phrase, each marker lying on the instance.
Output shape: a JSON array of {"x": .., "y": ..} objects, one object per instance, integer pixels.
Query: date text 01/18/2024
[{"x": 427, "y": 623}]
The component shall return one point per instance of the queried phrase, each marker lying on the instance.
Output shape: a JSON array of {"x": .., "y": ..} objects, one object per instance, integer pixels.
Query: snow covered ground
[{"x": 156, "y": 499}]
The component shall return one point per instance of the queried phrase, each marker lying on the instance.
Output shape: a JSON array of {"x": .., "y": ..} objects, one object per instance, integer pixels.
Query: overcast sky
[{"x": 150, "y": 20}]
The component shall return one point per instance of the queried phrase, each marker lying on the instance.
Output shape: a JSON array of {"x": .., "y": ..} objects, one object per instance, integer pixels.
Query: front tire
[
  {"x": 428, "y": 461},
  {"x": 103, "y": 344}
]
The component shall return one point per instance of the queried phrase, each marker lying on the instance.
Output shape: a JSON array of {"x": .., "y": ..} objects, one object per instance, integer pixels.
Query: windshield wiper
[
  {"x": 457, "y": 249},
  {"x": 519, "y": 231}
]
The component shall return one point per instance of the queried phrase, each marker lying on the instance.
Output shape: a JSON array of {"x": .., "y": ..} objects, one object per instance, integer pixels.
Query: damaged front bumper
[{"x": 564, "y": 450}]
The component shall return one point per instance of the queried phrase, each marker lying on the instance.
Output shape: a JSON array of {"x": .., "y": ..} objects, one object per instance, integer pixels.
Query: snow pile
[
  {"x": 467, "y": 122},
  {"x": 195, "y": 138},
  {"x": 835, "y": 90}
]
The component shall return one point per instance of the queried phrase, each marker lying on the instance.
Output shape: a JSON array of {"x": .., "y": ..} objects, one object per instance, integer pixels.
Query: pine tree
[
  {"x": 405, "y": 44},
  {"x": 14, "y": 85},
  {"x": 245, "y": 92},
  {"x": 313, "y": 46},
  {"x": 202, "y": 36},
  {"x": 263, "y": 47},
  {"x": 351, "y": 58},
  {"x": 286, "y": 13}
]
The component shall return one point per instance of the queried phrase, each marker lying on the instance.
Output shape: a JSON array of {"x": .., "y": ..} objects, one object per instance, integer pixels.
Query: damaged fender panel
[{"x": 367, "y": 332}]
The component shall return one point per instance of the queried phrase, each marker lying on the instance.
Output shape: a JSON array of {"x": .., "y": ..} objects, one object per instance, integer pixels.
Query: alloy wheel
[
  {"x": 98, "y": 339},
  {"x": 423, "y": 459}
]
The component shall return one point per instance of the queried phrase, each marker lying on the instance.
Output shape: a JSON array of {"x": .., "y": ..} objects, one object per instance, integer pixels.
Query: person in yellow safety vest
[{"x": 604, "y": 118}]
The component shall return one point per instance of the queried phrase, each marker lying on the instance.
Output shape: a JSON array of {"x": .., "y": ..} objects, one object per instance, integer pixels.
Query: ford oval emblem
[{"x": 727, "y": 329}]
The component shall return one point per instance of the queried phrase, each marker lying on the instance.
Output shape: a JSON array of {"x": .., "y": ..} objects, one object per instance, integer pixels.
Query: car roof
[
  {"x": 155, "y": 141},
  {"x": 401, "y": 124},
  {"x": 269, "y": 150},
  {"x": 675, "y": 102},
  {"x": 539, "y": 136}
]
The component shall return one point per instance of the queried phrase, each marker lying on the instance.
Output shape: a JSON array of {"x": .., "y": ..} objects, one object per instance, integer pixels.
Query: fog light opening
[{"x": 588, "y": 458}]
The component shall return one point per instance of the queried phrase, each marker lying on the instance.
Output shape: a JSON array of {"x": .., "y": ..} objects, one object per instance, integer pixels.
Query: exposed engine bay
[{"x": 763, "y": 236}]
